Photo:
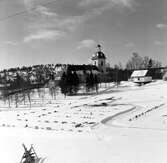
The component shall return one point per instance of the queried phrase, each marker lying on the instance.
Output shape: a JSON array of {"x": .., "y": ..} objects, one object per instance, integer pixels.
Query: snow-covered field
[{"x": 127, "y": 124}]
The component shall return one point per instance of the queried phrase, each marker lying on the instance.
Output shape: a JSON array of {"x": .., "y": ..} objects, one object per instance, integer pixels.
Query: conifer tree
[
  {"x": 69, "y": 82},
  {"x": 75, "y": 83},
  {"x": 96, "y": 82},
  {"x": 63, "y": 84},
  {"x": 91, "y": 82}
]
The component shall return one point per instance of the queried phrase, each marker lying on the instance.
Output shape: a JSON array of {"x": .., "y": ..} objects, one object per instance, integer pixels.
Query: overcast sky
[{"x": 67, "y": 31}]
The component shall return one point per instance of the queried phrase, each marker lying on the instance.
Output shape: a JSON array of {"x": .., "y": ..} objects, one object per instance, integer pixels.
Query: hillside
[{"x": 120, "y": 124}]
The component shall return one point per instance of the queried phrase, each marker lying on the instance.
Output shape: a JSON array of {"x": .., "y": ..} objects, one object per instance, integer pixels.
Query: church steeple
[
  {"x": 99, "y": 59},
  {"x": 99, "y": 47}
]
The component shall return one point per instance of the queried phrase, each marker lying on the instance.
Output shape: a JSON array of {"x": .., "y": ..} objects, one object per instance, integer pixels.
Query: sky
[{"x": 68, "y": 31}]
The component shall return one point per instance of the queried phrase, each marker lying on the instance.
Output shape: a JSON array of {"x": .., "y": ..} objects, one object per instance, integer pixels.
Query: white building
[
  {"x": 141, "y": 76},
  {"x": 99, "y": 60}
]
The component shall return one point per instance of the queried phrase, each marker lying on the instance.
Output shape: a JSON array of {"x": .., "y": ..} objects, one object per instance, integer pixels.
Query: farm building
[{"x": 141, "y": 76}]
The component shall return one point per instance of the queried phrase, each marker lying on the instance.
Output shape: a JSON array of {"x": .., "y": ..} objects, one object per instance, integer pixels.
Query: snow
[
  {"x": 139, "y": 73},
  {"x": 124, "y": 124}
]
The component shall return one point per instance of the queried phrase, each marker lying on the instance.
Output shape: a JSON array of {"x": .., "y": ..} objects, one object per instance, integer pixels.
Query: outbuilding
[{"x": 141, "y": 76}]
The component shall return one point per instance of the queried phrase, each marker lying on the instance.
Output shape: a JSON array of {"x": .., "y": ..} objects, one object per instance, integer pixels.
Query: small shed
[{"x": 141, "y": 76}]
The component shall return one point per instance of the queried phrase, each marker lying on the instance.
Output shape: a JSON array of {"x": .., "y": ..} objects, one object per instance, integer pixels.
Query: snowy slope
[{"x": 124, "y": 124}]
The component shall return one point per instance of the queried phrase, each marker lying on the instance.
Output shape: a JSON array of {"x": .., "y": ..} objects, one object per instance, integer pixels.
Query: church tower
[{"x": 99, "y": 59}]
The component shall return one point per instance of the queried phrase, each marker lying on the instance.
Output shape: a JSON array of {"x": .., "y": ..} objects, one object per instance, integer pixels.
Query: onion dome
[{"x": 99, "y": 54}]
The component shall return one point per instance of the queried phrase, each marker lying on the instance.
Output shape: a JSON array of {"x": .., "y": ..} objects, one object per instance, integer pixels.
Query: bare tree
[
  {"x": 138, "y": 62},
  {"x": 6, "y": 97},
  {"x": 135, "y": 62},
  {"x": 29, "y": 97}
]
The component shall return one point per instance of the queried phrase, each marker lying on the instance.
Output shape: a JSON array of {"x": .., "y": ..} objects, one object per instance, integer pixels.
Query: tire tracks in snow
[{"x": 117, "y": 116}]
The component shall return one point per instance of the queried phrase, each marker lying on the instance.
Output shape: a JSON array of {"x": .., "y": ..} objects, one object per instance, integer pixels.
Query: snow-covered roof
[{"x": 139, "y": 73}]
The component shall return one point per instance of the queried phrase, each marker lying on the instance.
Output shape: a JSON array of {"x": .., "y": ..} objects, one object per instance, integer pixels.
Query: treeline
[
  {"x": 36, "y": 74},
  {"x": 17, "y": 84},
  {"x": 117, "y": 75},
  {"x": 136, "y": 62},
  {"x": 139, "y": 62},
  {"x": 19, "y": 90},
  {"x": 70, "y": 83},
  {"x": 33, "y": 67}
]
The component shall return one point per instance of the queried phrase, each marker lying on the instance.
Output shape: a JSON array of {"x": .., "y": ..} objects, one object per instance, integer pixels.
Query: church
[
  {"x": 99, "y": 60},
  {"x": 97, "y": 66}
]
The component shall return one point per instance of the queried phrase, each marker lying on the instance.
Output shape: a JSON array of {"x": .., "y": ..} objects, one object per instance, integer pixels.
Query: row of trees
[
  {"x": 36, "y": 74},
  {"x": 92, "y": 81},
  {"x": 19, "y": 90},
  {"x": 139, "y": 62},
  {"x": 47, "y": 67},
  {"x": 70, "y": 83}
]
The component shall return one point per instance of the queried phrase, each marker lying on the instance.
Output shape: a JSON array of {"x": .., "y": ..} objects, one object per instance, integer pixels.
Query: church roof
[{"x": 81, "y": 67}]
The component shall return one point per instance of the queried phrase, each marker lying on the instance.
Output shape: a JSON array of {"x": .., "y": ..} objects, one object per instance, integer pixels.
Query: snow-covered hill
[{"x": 120, "y": 124}]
